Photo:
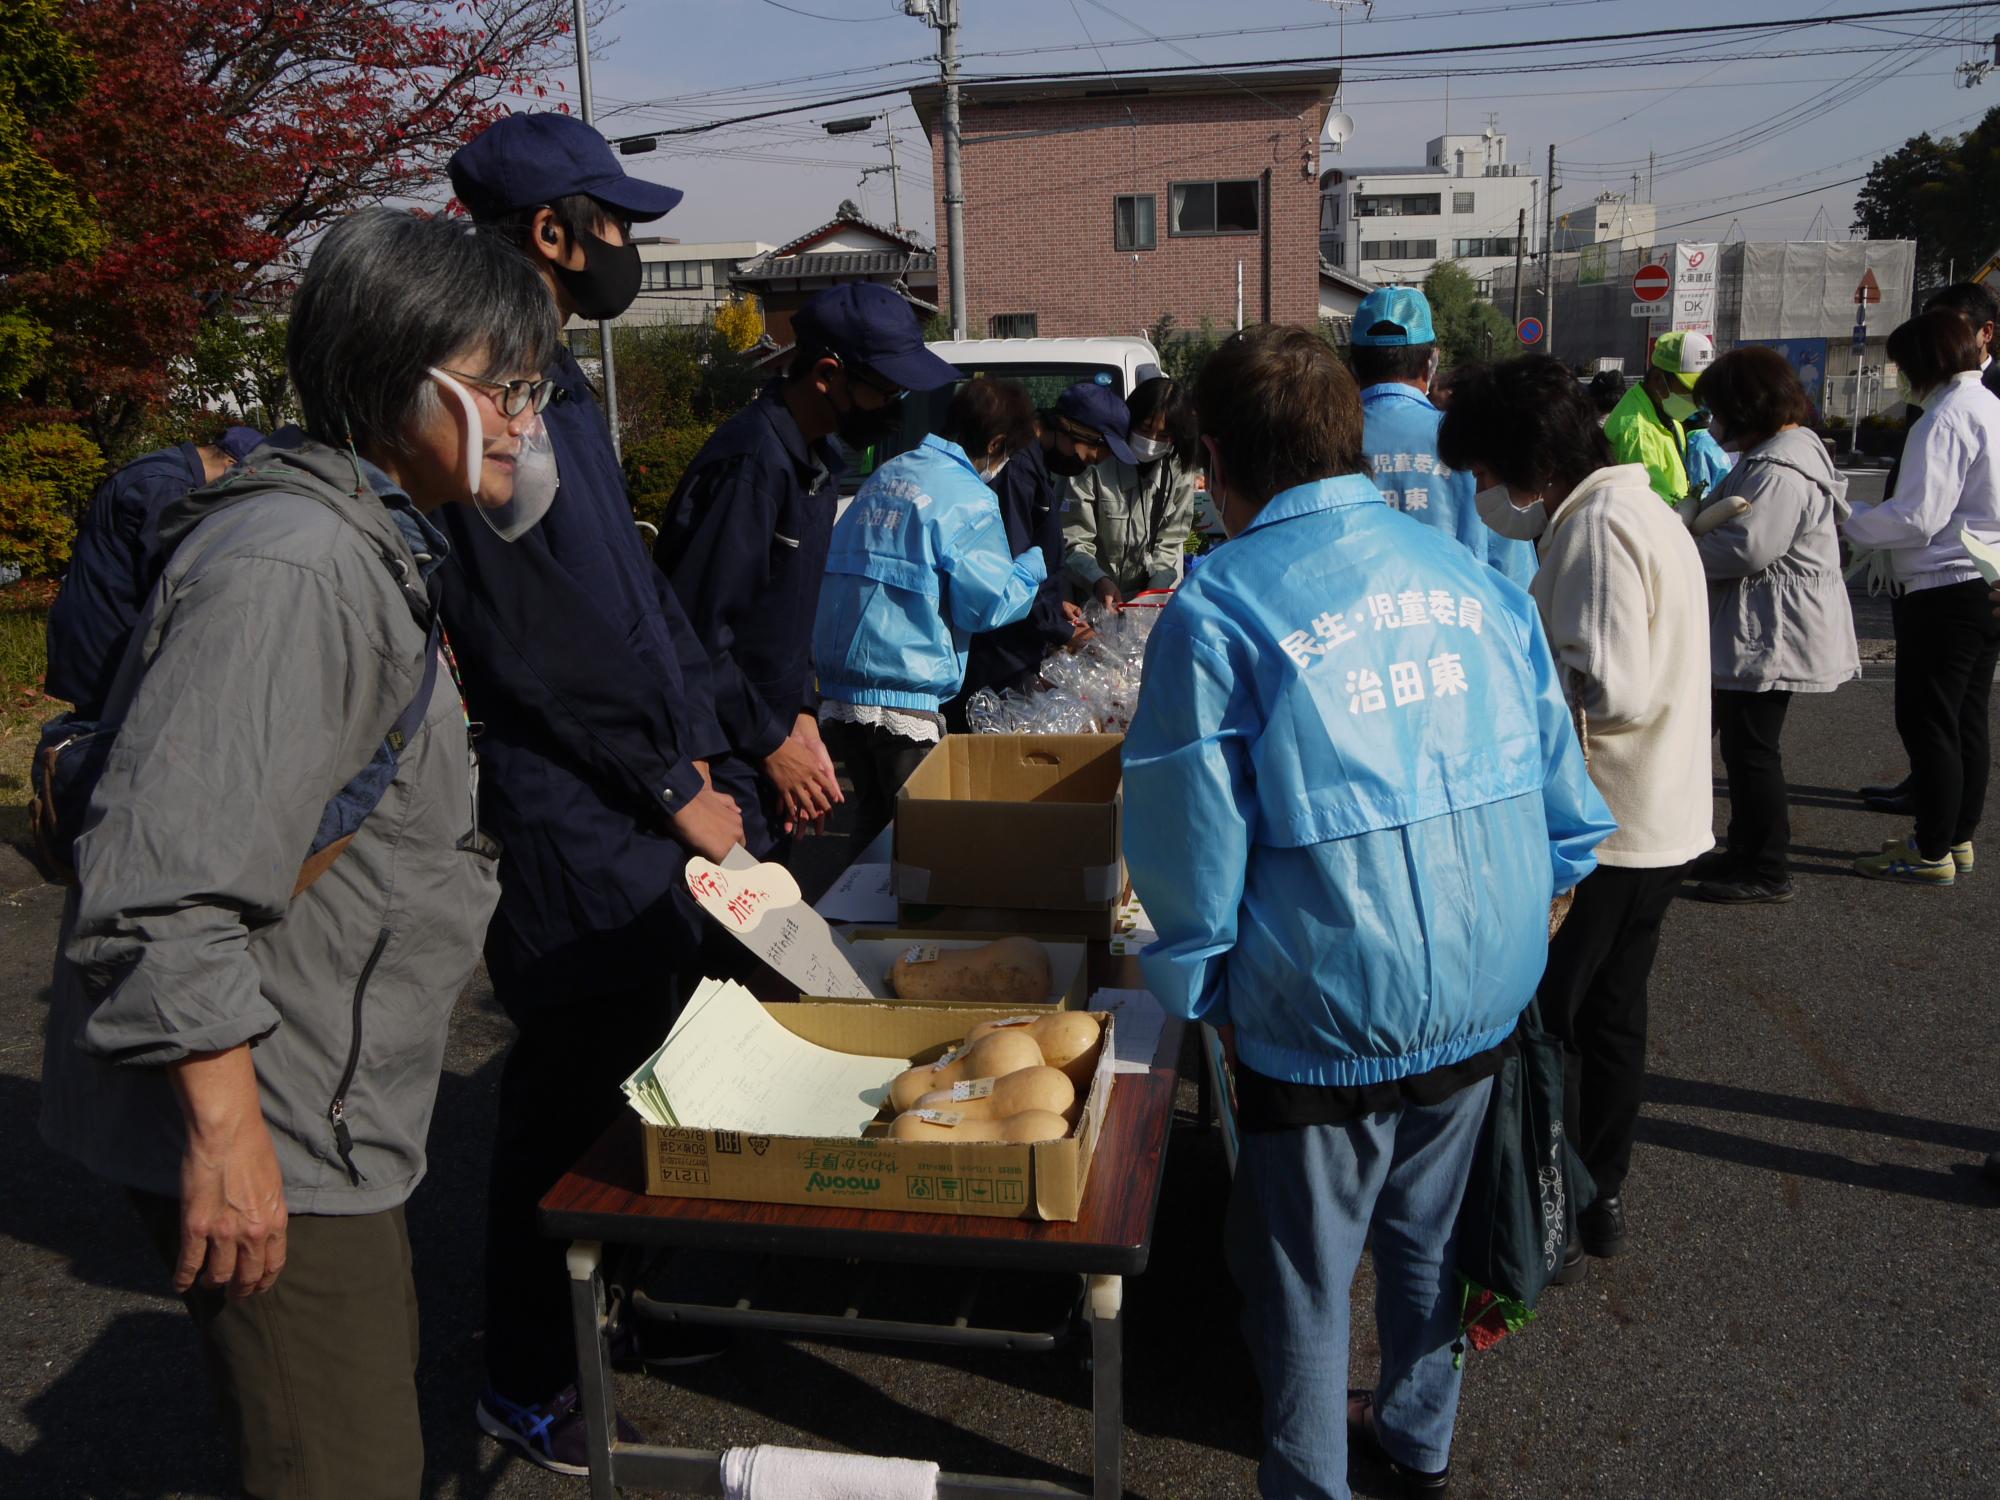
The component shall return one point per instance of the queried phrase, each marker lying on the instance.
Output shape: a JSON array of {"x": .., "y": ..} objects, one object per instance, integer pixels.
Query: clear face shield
[{"x": 535, "y": 477}]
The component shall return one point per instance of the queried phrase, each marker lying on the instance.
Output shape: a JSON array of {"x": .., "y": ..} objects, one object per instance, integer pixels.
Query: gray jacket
[
  {"x": 1129, "y": 524},
  {"x": 284, "y": 638},
  {"x": 1779, "y": 616}
]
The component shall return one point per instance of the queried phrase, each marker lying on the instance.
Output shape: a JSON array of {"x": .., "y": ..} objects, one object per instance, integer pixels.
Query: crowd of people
[{"x": 400, "y": 687}]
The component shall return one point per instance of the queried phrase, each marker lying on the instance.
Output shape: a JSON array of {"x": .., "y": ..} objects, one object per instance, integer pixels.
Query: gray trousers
[{"x": 317, "y": 1377}]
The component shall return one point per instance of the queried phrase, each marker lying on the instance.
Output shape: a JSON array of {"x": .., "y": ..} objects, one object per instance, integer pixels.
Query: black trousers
[
  {"x": 1760, "y": 816},
  {"x": 1947, "y": 644},
  {"x": 558, "y": 1093},
  {"x": 1593, "y": 996},
  {"x": 878, "y": 761}
]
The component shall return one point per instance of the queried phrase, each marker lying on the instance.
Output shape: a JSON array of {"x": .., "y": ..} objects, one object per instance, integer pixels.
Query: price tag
[
  {"x": 921, "y": 953},
  {"x": 948, "y": 1118},
  {"x": 972, "y": 1088},
  {"x": 1012, "y": 1021},
  {"x": 948, "y": 1059}
]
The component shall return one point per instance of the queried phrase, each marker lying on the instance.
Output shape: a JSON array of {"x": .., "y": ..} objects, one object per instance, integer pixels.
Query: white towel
[{"x": 770, "y": 1473}]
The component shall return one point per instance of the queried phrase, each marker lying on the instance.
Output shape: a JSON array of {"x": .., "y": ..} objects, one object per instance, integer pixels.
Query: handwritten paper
[
  {"x": 761, "y": 905},
  {"x": 862, "y": 894},
  {"x": 728, "y": 1065},
  {"x": 1136, "y": 1036}
]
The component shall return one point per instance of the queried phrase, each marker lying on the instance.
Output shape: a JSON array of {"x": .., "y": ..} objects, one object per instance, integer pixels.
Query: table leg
[
  {"x": 1105, "y": 1300},
  {"x": 593, "y": 1362}
]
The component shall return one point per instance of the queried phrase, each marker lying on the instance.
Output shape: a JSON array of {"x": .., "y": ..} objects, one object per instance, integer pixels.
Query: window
[
  {"x": 1335, "y": 252},
  {"x": 1461, "y": 203},
  {"x": 1215, "y": 207},
  {"x": 1395, "y": 205},
  {"x": 1464, "y": 249},
  {"x": 1133, "y": 221},
  {"x": 1399, "y": 249},
  {"x": 684, "y": 273},
  {"x": 1329, "y": 213},
  {"x": 1013, "y": 325},
  {"x": 653, "y": 276}
]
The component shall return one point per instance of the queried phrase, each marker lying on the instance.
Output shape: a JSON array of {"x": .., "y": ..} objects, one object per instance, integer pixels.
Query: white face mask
[
  {"x": 1498, "y": 510},
  {"x": 1148, "y": 450},
  {"x": 989, "y": 475},
  {"x": 535, "y": 476}
]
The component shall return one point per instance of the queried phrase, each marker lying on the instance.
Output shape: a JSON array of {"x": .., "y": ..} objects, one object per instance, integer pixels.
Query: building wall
[
  {"x": 1497, "y": 203},
  {"x": 1039, "y": 210}
]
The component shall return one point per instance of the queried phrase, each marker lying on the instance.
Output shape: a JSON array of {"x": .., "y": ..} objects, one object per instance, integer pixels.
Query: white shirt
[{"x": 1949, "y": 484}]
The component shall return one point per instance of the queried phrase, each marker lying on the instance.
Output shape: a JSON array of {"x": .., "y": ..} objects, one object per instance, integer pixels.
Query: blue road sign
[{"x": 1530, "y": 330}]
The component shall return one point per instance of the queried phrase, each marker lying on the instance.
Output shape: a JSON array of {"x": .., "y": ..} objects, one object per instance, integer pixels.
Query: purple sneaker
[{"x": 549, "y": 1434}]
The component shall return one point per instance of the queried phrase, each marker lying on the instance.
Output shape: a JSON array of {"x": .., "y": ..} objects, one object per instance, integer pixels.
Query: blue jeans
[{"x": 1303, "y": 1206}]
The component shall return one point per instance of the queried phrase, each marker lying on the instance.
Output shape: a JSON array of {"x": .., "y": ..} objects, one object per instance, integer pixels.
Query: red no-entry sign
[{"x": 1651, "y": 283}]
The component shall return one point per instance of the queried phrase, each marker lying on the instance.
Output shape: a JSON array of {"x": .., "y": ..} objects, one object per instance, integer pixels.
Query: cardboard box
[
  {"x": 958, "y": 920},
  {"x": 1015, "y": 823},
  {"x": 1041, "y": 1181},
  {"x": 874, "y": 949}
]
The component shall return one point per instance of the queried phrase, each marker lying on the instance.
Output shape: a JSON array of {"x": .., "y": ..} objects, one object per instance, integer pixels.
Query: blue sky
[{"x": 1740, "y": 123}]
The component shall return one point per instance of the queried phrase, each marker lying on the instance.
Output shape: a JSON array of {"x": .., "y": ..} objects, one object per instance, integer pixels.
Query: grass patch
[{"x": 24, "y": 665}]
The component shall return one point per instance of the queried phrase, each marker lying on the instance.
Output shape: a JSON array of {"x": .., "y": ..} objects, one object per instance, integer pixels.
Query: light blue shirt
[
  {"x": 1707, "y": 460},
  {"x": 1399, "y": 430},
  {"x": 918, "y": 565},
  {"x": 1352, "y": 788}
]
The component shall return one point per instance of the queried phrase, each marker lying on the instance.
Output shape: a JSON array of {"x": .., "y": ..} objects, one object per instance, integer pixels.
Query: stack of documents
[{"x": 727, "y": 1065}]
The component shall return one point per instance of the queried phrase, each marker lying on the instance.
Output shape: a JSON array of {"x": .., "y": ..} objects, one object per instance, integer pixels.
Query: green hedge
[
  {"x": 46, "y": 478},
  {"x": 653, "y": 467}
]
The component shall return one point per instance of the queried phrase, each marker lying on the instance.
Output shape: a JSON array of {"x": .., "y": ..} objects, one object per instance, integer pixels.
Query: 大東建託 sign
[{"x": 1694, "y": 289}]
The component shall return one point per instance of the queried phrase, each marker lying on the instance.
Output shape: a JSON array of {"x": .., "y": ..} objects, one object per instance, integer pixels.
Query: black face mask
[
  {"x": 859, "y": 427},
  {"x": 608, "y": 282},
  {"x": 1066, "y": 464}
]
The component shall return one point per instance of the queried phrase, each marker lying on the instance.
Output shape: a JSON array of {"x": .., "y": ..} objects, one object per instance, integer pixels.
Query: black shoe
[
  {"x": 1602, "y": 1226},
  {"x": 1717, "y": 864},
  {"x": 1878, "y": 793},
  {"x": 1413, "y": 1484},
  {"x": 1900, "y": 803},
  {"x": 1738, "y": 892},
  {"x": 1574, "y": 1267}
]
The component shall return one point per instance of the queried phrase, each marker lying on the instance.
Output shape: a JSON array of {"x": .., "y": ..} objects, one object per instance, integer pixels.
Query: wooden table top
[{"x": 603, "y": 1198}]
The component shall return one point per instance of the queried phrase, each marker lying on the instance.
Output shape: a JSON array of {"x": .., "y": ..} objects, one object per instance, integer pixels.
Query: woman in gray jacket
[
  {"x": 248, "y": 1021},
  {"x": 1125, "y": 526},
  {"x": 1780, "y": 621}
]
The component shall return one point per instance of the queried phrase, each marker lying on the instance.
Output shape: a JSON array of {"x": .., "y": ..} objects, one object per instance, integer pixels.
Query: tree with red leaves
[{"x": 217, "y": 135}]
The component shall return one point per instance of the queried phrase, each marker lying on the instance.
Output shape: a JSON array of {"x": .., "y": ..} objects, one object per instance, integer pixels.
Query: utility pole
[
  {"x": 604, "y": 324},
  {"x": 895, "y": 177},
  {"x": 1520, "y": 249},
  {"x": 954, "y": 183},
  {"x": 1549, "y": 257}
]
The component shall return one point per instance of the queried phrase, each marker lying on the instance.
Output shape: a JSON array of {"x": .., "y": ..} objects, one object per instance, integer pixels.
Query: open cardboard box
[
  {"x": 1015, "y": 823},
  {"x": 1041, "y": 1181},
  {"x": 874, "y": 950}
]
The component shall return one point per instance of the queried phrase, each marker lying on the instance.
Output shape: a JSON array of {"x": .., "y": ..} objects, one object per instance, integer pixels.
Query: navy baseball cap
[
  {"x": 872, "y": 326},
  {"x": 526, "y": 160},
  {"x": 1102, "y": 410},
  {"x": 240, "y": 442},
  {"x": 1393, "y": 317}
]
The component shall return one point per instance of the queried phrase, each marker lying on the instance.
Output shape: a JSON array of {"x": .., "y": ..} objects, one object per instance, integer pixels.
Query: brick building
[{"x": 1095, "y": 206}]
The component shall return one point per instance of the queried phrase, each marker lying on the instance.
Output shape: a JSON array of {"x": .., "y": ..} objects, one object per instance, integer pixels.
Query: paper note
[
  {"x": 1132, "y": 930},
  {"x": 727, "y": 1065},
  {"x": 862, "y": 894},
  {"x": 1985, "y": 557},
  {"x": 761, "y": 905},
  {"x": 1137, "y": 1034}
]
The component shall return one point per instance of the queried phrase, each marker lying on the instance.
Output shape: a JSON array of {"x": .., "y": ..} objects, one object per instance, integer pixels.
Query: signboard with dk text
[{"x": 1694, "y": 289}]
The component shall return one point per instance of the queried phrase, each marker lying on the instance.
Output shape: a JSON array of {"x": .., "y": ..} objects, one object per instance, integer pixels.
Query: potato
[
  {"x": 1011, "y": 971},
  {"x": 990, "y": 1057},
  {"x": 1068, "y": 1040},
  {"x": 1025, "y": 1128},
  {"x": 1040, "y": 1087}
]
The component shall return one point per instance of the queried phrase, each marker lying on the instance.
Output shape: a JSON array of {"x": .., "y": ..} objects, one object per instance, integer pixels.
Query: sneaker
[
  {"x": 1961, "y": 854},
  {"x": 549, "y": 1434},
  {"x": 1739, "y": 892},
  {"x": 1601, "y": 1226},
  {"x": 1900, "y": 860}
]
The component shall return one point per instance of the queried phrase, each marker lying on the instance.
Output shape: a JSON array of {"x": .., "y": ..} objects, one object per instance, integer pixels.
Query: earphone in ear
[{"x": 548, "y": 234}]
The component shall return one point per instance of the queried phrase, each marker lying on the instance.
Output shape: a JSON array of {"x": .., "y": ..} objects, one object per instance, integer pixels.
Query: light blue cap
[{"x": 1404, "y": 310}]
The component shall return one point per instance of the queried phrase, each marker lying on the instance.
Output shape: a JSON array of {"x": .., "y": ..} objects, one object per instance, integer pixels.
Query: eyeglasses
[
  {"x": 516, "y": 396},
  {"x": 890, "y": 394}
]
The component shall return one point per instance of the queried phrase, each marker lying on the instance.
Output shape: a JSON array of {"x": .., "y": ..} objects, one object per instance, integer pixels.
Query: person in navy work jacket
[
  {"x": 1353, "y": 789},
  {"x": 1088, "y": 423},
  {"x": 592, "y": 698},
  {"x": 745, "y": 542},
  {"x": 1395, "y": 358},
  {"x": 115, "y": 560}
]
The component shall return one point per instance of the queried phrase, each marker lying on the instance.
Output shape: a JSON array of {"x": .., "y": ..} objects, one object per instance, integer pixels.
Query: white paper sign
[
  {"x": 761, "y": 905},
  {"x": 1694, "y": 288},
  {"x": 1136, "y": 1037},
  {"x": 862, "y": 894}
]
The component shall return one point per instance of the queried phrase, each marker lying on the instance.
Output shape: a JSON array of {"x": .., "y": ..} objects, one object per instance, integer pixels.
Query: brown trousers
[{"x": 317, "y": 1377}]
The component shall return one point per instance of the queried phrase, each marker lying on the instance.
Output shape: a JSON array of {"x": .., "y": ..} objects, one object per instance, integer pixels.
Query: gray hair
[{"x": 389, "y": 294}]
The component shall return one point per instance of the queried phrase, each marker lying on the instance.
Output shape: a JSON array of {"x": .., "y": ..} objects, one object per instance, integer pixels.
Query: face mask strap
[{"x": 475, "y": 432}]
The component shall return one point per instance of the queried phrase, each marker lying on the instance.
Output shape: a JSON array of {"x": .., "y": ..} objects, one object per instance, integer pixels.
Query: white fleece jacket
[
  {"x": 1625, "y": 605},
  {"x": 1949, "y": 485}
]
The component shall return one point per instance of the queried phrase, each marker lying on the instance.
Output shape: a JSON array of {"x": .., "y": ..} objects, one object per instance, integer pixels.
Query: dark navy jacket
[
  {"x": 744, "y": 542},
  {"x": 111, "y": 571},
  {"x": 1029, "y": 507},
  {"x": 591, "y": 698}
]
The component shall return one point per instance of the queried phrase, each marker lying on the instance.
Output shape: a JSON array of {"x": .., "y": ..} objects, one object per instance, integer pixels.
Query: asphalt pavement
[{"x": 1807, "y": 1309}]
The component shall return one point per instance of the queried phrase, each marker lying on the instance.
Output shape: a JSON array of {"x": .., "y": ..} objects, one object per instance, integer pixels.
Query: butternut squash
[
  {"x": 1068, "y": 1040},
  {"x": 1025, "y": 1128},
  {"x": 1037, "y": 1088},
  {"x": 991, "y": 1057},
  {"x": 1011, "y": 971}
]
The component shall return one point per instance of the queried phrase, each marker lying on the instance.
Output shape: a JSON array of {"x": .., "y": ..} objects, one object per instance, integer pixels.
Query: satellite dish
[
  {"x": 1338, "y": 128},
  {"x": 1489, "y": 132}
]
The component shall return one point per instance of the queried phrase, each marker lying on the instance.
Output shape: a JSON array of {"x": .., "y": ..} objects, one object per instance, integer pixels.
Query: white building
[
  {"x": 1613, "y": 221},
  {"x": 1390, "y": 225},
  {"x": 685, "y": 283}
]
